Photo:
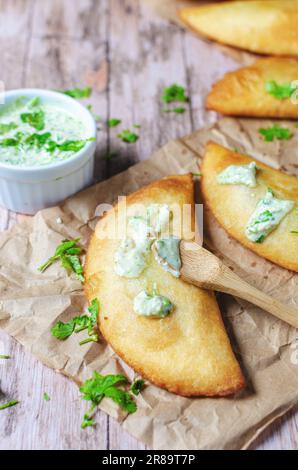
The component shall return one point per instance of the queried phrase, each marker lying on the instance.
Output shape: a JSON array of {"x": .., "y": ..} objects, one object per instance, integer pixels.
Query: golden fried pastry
[
  {"x": 265, "y": 27},
  {"x": 186, "y": 350},
  {"x": 255, "y": 204},
  {"x": 264, "y": 89}
]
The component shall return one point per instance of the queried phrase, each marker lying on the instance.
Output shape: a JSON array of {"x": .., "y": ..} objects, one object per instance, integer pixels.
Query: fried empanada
[
  {"x": 233, "y": 204},
  {"x": 187, "y": 352},
  {"x": 265, "y": 27},
  {"x": 245, "y": 92}
]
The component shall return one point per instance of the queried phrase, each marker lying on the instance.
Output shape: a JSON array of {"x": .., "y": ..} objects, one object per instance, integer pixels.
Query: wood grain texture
[{"x": 127, "y": 56}]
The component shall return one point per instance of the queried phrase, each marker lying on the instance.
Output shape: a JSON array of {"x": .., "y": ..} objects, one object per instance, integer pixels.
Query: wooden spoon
[{"x": 203, "y": 269}]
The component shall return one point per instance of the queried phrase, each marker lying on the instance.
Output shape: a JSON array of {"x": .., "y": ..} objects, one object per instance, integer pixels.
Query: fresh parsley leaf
[
  {"x": 4, "y": 356},
  {"x": 137, "y": 386},
  {"x": 68, "y": 145},
  {"x": 7, "y": 127},
  {"x": 9, "y": 404},
  {"x": 46, "y": 397},
  {"x": 122, "y": 398},
  {"x": 178, "y": 110},
  {"x": 78, "y": 93},
  {"x": 275, "y": 132},
  {"x": 38, "y": 140},
  {"x": 68, "y": 253},
  {"x": 113, "y": 122},
  {"x": 174, "y": 93},
  {"x": 63, "y": 330},
  {"x": 35, "y": 119},
  {"x": 87, "y": 420},
  {"x": 128, "y": 136},
  {"x": 9, "y": 142},
  {"x": 280, "y": 91}
]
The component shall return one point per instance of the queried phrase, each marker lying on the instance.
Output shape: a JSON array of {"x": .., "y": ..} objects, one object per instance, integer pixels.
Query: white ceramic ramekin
[{"x": 28, "y": 189}]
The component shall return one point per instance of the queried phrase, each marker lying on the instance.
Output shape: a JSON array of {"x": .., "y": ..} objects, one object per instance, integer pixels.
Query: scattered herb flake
[
  {"x": 46, "y": 397},
  {"x": 137, "y": 386},
  {"x": 294, "y": 231},
  {"x": 178, "y": 110},
  {"x": 113, "y": 122},
  {"x": 197, "y": 174},
  {"x": 128, "y": 136},
  {"x": 280, "y": 91},
  {"x": 35, "y": 119},
  {"x": 68, "y": 253},
  {"x": 9, "y": 404},
  {"x": 275, "y": 132},
  {"x": 63, "y": 330},
  {"x": 100, "y": 386},
  {"x": 174, "y": 93},
  {"x": 78, "y": 93},
  {"x": 4, "y": 356}
]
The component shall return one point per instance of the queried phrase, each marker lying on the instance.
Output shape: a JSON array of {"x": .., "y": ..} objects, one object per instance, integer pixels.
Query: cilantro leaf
[
  {"x": 9, "y": 404},
  {"x": 68, "y": 253},
  {"x": 9, "y": 142},
  {"x": 178, "y": 110},
  {"x": 174, "y": 93},
  {"x": 68, "y": 145},
  {"x": 87, "y": 421},
  {"x": 113, "y": 122},
  {"x": 78, "y": 93},
  {"x": 280, "y": 91},
  {"x": 128, "y": 136},
  {"x": 137, "y": 386},
  {"x": 275, "y": 132},
  {"x": 122, "y": 398},
  {"x": 46, "y": 397},
  {"x": 38, "y": 140},
  {"x": 35, "y": 119},
  {"x": 79, "y": 323},
  {"x": 63, "y": 330},
  {"x": 7, "y": 127}
]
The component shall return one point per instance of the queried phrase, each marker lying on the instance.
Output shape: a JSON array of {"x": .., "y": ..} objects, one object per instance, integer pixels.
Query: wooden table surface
[{"x": 127, "y": 55}]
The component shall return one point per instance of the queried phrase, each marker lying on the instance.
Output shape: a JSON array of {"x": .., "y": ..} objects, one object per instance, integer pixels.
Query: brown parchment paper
[
  {"x": 267, "y": 349},
  {"x": 167, "y": 9}
]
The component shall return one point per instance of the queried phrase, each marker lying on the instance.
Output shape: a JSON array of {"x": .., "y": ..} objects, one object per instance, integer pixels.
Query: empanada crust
[
  {"x": 232, "y": 205},
  {"x": 188, "y": 352},
  {"x": 243, "y": 92},
  {"x": 264, "y": 27}
]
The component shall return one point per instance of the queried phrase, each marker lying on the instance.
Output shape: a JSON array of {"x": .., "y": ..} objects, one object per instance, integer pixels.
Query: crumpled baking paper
[{"x": 31, "y": 302}]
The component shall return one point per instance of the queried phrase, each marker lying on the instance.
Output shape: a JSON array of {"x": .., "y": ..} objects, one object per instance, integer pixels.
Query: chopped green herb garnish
[
  {"x": 63, "y": 330},
  {"x": 67, "y": 146},
  {"x": 174, "y": 93},
  {"x": 294, "y": 231},
  {"x": 9, "y": 142},
  {"x": 4, "y": 356},
  {"x": 275, "y": 132},
  {"x": 137, "y": 126},
  {"x": 261, "y": 239},
  {"x": 38, "y": 139},
  {"x": 196, "y": 174},
  {"x": 100, "y": 386},
  {"x": 7, "y": 127},
  {"x": 35, "y": 119},
  {"x": 178, "y": 110},
  {"x": 46, "y": 397},
  {"x": 137, "y": 386},
  {"x": 280, "y": 91},
  {"x": 113, "y": 122},
  {"x": 68, "y": 253},
  {"x": 78, "y": 93},
  {"x": 9, "y": 404},
  {"x": 128, "y": 136}
]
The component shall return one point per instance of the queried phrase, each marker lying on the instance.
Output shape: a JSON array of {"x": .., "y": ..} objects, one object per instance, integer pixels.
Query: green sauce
[
  {"x": 36, "y": 134},
  {"x": 152, "y": 305},
  {"x": 267, "y": 216},
  {"x": 239, "y": 174},
  {"x": 167, "y": 254}
]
